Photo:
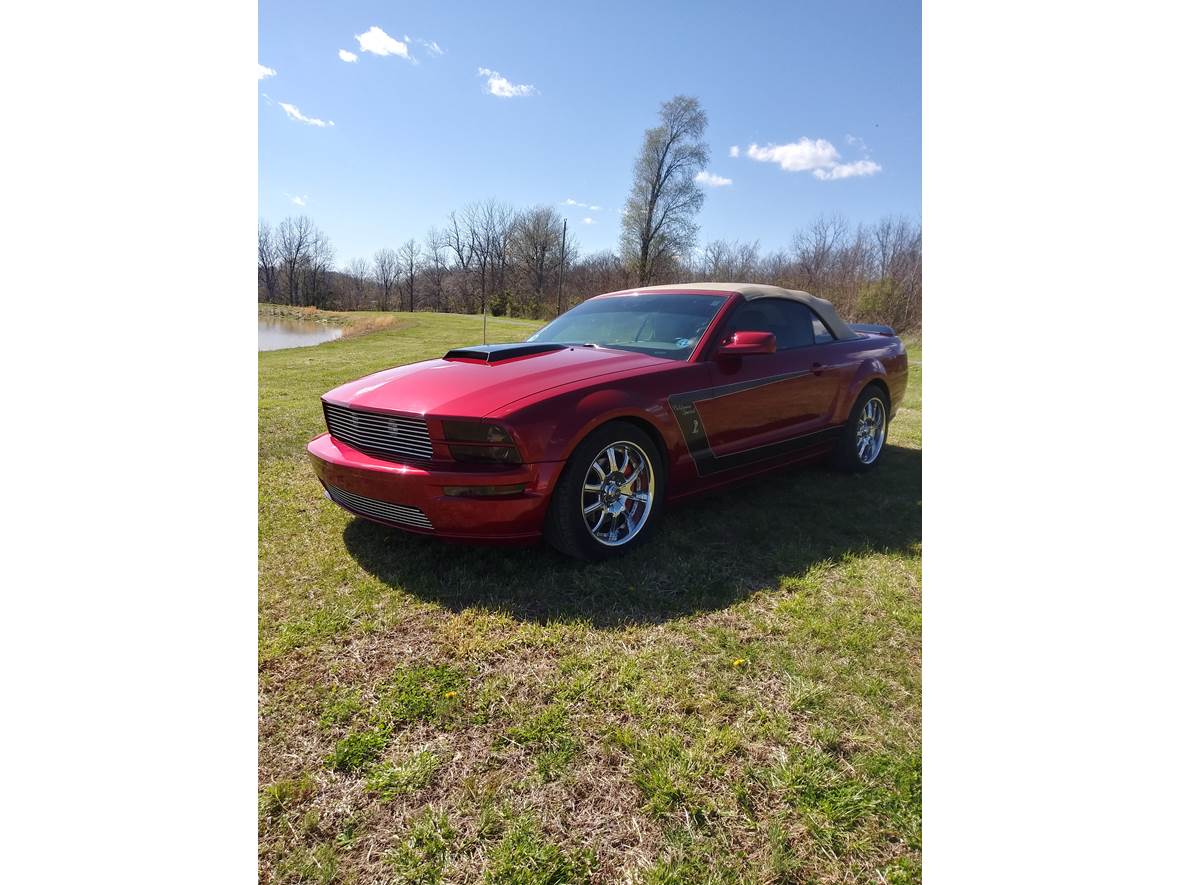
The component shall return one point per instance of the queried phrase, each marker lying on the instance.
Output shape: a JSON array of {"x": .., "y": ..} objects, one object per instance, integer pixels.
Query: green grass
[{"x": 738, "y": 703}]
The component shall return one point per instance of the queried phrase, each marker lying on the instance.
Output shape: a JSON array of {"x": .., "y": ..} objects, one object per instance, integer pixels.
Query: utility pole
[
  {"x": 561, "y": 268},
  {"x": 484, "y": 299}
]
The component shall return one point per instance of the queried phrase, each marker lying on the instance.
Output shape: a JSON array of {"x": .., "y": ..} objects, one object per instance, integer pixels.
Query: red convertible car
[{"x": 629, "y": 401}]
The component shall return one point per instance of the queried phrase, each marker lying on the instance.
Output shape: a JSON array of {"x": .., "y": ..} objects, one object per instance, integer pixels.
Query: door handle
[{"x": 817, "y": 368}]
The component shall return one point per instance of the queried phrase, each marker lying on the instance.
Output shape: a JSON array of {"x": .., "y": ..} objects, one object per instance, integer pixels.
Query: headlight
[
  {"x": 487, "y": 442},
  {"x": 476, "y": 432}
]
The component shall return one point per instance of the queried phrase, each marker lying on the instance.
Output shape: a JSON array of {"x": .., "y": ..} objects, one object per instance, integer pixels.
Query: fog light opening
[{"x": 482, "y": 491}]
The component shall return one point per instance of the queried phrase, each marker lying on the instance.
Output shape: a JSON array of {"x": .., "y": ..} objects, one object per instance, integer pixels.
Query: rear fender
[{"x": 870, "y": 370}]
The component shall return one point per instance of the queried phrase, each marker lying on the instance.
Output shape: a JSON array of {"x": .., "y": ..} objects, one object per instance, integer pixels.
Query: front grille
[
  {"x": 384, "y": 436},
  {"x": 399, "y": 513}
]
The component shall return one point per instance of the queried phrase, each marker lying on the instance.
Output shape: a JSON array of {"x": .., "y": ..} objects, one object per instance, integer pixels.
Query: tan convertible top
[{"x": 827, "y": 313}]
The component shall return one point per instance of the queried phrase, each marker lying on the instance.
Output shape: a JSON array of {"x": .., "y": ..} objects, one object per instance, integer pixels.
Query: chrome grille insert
[
  {"x": 385, "y": 510},
  {"x": 384, "y": 436}
]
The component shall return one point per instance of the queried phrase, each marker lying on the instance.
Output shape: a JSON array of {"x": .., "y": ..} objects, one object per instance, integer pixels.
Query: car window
[
  {"x": 822, "y": 335},
  {"x": 790, "y": 321},
  {"x": 663, "y": 325}
]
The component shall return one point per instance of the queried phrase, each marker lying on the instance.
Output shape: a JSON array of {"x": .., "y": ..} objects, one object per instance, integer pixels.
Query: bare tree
[
  {"x": 435, "y": 267},
  {"x": 268, "y": 262},
  {"x": 512, "y": 260},
  {"x": 386, "y": 273},
  {"x": 815, "y": 249},
  {"x": 321, "y": 258},
  {"x": 294, "y": 243},
  {"x": 358, "y": 283},
  {"x": 460, "y": 240},
  {"x": 488, "y": 224},
  {"x": 410, "y": 258},
  {"x": 658, "y": 220},
  {"x": 535, "y": 247}
]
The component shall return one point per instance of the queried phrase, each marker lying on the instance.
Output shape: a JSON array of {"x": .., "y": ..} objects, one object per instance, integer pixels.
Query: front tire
[
  {"x": 610, "y": 494},
  {"x": 863, "y": 440}
]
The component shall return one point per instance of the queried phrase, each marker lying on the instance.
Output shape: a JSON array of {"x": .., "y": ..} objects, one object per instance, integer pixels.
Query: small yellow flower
[
  {"x": 450, "y": 694},
  {"x": 740, "y": 662}
]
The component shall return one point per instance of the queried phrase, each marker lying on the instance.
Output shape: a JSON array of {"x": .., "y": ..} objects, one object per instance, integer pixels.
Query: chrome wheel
[
  {"x": 617, "y": 493},
  {"x": 870, "y": 431}
]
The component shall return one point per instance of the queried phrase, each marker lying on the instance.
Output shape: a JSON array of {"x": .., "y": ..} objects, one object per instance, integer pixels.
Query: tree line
[{"x": 524, "y": 262}]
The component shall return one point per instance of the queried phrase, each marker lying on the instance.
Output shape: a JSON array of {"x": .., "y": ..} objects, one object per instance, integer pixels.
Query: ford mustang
[{"x": 629, "y": 401}]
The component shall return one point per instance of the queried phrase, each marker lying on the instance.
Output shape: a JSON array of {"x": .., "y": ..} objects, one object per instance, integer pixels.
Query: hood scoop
[{"x": 495, "y": 353}]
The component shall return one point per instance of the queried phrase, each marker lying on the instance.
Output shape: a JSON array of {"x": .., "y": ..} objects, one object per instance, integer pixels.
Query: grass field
[{"x": 737, "y": 703}]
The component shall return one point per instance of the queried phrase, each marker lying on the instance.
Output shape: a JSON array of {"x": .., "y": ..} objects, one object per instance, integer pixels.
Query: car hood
[{"x": 462, "y": 386}]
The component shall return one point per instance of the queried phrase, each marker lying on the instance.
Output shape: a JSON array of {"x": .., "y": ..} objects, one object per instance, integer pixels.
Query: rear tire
[
  {"x": 862, "y": 442},
  {"x": 610, "y": 495}
]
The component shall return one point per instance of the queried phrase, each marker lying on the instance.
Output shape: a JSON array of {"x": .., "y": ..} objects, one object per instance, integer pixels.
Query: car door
[{"x": 759, "y": 403}]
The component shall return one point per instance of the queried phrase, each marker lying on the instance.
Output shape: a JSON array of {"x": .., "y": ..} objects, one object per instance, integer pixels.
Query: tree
[
  {"x": 658, "y": 220},
  {"x": 268, "y": 262},
  {"x": 435, "y": 267},
  {"x": 535, "y": 247},
  {"x": 410, "y": 258},
  {"x": 358, "y": 283},
  {"x": 294, "y": 242},
  {"x": 460, "y": 240},
  {"x": 321, "y": 258},
  {"x": 386, "y": 273},
  {"x": 488, "y": 224}
]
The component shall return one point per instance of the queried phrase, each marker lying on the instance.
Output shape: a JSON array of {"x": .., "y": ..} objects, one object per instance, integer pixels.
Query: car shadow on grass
[{"x": 710, "y": 551}]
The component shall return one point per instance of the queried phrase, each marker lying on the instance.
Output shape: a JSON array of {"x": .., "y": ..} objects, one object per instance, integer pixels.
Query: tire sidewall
[
  {"x": 565, "y": 527},
  {"x": 845, "y": 456}
]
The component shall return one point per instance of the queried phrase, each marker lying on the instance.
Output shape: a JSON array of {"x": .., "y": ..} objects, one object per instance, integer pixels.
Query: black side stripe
[{"x": 684, "y": 407}]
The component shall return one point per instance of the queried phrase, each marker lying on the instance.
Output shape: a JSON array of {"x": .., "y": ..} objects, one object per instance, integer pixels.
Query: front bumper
[{"x": 394, "y": 494}]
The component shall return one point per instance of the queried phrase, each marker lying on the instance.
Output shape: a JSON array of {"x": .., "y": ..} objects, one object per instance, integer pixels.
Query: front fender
[{"x": 555, "y": 427}]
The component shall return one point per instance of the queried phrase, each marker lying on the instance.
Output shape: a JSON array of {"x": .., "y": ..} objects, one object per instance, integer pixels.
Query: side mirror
[{"x": 748, "y": 343}]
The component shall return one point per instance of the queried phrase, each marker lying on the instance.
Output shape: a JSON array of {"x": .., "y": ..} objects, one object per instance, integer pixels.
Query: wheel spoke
[
  {"x": 613, "y": 535},
  {"x": 617, "y": 493},
  {"x": 630, "y": 483}
]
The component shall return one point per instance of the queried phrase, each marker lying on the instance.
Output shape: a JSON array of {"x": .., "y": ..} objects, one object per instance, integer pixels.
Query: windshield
[{"x": 660, "y": 325}]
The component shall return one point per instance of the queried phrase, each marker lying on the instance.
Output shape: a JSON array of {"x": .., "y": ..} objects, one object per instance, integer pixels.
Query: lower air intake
[{"x": 382, "y": 510}]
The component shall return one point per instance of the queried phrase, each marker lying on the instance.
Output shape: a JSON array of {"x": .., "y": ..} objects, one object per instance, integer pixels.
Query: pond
[{"x": 275, "y": 334}]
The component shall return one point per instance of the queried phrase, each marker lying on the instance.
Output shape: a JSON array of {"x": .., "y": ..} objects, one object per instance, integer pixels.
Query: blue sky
[{"x": 821, "y": 99}]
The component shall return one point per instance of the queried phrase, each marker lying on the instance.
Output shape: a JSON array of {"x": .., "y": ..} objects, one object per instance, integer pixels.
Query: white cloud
[
  {"x": 733, "y": 150},
  {"x": 570, "y": 201},
  {"x": 264, "y": 72},
  {"x": 819, "y": 157},
  {"x": 595, "y": 208},
  {"x": 847, "y": 170},
  {"x": 803, "y": 155},
  {"x": 501, "y": 86},
  {"x": 429, "y": 45},
  {"x": 710, "y": 180},
  {"x": 347, "y": 56},
  {"x": 378, "y": 42},
  {"x": 299, "y": 201},
  {"x": 857, "y": 142},
  {"x": 588, "y": 220},
  {"x": 295, "y": 114}
]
